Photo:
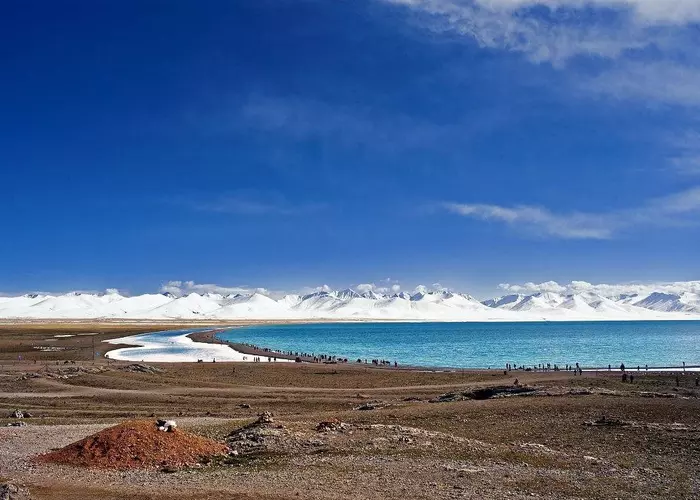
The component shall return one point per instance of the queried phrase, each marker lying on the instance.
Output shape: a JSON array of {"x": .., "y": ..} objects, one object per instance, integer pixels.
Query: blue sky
[{"x": 291, "y": 144}]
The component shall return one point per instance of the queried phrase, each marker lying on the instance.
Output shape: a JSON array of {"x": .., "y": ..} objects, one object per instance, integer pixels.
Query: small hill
[{"x": 135, "y": 444}]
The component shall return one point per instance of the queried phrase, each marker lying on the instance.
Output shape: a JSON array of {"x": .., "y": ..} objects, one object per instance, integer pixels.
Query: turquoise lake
[{"x": 483, "y": 345}]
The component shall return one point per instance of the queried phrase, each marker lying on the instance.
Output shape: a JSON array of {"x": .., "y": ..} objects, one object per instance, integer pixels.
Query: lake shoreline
[{"x": 212, "y": 336}]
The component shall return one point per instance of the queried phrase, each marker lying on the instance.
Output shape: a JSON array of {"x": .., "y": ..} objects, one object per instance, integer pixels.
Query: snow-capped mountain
[
  {"x": 349, "y": 304},
  {"x": 504, "y": 302},
  {"x": 668, "y": 302}
]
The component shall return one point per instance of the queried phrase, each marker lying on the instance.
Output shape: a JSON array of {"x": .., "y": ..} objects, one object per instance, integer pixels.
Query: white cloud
[
  {"x": 396, "y": 288},
  {"x": 652, "y": 82},
  {"x": 652, "y": 43},
  {"x": 182, "y": 288},
  {"x": 676, "y": 209},
  {"x": 365, "y": 287},
  {"x": 605, "y": 290},
  {"x": 504, "y": 25},
  {"x": 651, "y": 11},
  {"x": 530, "y": 288},
  {"x": 540, "y": 220}
]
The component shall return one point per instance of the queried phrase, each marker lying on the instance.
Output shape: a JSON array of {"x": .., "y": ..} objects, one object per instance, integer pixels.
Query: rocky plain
[{"x": 332, "y": 431}]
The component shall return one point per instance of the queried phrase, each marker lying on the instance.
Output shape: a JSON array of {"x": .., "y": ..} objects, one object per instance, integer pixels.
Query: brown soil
[
  {"x": 432, "y": 434},
  {"x": 136, "y": 444}
]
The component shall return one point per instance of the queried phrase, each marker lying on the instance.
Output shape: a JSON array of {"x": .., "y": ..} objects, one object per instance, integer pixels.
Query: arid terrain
[{"x": 388, "y": 433}]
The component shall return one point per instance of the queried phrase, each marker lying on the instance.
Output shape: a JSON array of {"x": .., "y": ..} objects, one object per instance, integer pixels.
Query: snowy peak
[
  {"x": 425, "y": 305},
  {"x": 667, "y": 302},
  {"x": 505, "y": 302}
]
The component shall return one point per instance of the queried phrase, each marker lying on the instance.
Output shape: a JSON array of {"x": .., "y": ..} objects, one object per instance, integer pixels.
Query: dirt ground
[{"x": 404, "y": 434}]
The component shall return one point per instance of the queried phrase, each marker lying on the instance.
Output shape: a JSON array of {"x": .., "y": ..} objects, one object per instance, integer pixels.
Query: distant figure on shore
[
  {"x": 609, "y": 367},
  {"x": 624, "y": 376},
  {"x": 683, "y": 365},
  {"x": 631, "y": 379},
  {"x": 622, "y": 367}
]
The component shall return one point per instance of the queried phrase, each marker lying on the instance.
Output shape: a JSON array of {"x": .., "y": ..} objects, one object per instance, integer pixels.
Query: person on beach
[{"x": 622, "y": 367}]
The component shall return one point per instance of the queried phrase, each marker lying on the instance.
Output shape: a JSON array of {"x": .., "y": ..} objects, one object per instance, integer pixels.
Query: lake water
[{"x": 483, "y": 345}]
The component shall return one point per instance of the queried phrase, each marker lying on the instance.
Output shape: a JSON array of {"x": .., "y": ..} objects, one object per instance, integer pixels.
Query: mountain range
[{"x": 436, "y": 305}]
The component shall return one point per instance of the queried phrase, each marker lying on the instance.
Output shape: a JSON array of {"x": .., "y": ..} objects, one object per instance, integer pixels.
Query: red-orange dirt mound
[{"x": 136, "y": 444}]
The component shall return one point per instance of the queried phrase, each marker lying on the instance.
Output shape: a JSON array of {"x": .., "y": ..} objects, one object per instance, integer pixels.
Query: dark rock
[
  {"x": 20, "y": 414},
  {"x": 484, "y": 393},
  {"x": 367, "y": 406},
  {"x": 10, "y": 491}
]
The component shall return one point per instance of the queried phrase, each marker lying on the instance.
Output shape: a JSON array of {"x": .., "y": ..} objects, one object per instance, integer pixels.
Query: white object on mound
[{"x": 166, "y": 425}]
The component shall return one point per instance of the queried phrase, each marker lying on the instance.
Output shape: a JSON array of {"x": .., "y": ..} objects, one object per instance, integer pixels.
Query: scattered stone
[
  {"x": 265, "y": 418},
  {"x": 607, "y": 422},
  {"x": 141, "y": 368},
  {"x": 17, "y": 424},
  {"x": 20, "y": 414},
  {"x": 334, "y": 425},
  {"x": 647, "y": 394},
  {"x": 245, "y": 406},
  {"x": 257, "y": 436},
  {"x": 10, "y": 491},
  {"x": 265, "y": 436}
]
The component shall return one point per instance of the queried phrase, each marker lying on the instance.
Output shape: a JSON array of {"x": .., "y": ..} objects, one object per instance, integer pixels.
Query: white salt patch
[{"x": 176, "y": 347}]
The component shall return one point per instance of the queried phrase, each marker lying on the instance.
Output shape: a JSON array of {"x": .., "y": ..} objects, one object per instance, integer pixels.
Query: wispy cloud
[
  {"x": 606, "y": 290},
  {"x": 304, "y": 119},
  {"x": 653, "y": 82},
  {"x": 651, "y": 42},
  {"x": 251, "y": 203},
  {"x": 676, "y": 209},
  {"x": 181, "y": 288},
  {"x": 686, "y": 160}
]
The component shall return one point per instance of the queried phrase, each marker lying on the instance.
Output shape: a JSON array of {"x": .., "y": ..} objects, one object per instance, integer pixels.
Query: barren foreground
[{"x": 390, "y": 433}]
